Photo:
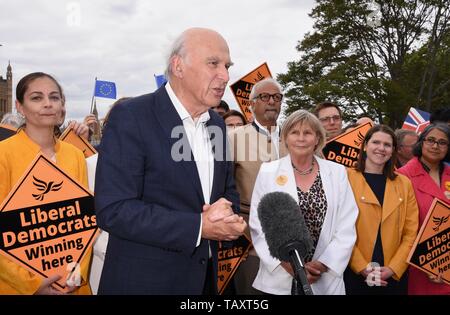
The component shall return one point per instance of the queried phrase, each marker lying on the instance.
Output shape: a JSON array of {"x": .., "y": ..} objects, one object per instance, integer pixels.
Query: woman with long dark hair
[
  {"x": 387, "y": 223},
  {"x": 40, "y": 100}
]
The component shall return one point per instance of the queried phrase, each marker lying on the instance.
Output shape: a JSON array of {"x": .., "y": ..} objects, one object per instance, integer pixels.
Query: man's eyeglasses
[
  {"x": 328, "y": 119},
  {"x": 265, "y": 97},
  {"x": 431, "y": 141}
]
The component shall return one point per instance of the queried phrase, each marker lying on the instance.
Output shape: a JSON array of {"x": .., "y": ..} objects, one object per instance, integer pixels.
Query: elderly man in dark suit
[{"x": 164, "y": 187}]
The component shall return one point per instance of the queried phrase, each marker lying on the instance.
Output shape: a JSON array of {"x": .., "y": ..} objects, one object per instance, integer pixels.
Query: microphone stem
[
  {"x": 300, "y": 274},
  {"x": 298, "y": 257}
]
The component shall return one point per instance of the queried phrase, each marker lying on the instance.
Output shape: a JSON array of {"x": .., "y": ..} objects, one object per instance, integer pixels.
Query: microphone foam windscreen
[{"x": 282, "y": 223}]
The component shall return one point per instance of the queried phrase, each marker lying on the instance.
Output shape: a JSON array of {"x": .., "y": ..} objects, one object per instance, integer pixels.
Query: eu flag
[
  {"x": 160, "y": 80},
  {"x": 105, "y": 89}
]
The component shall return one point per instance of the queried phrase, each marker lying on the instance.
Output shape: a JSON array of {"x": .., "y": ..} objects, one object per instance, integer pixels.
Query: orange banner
[
  {"x": 241, "y": 89},
  {"x": 431, "y": 250},
  {"x": 6, "y": 131},
  {"x": 48, "y": 222},
  {"x": 344, "y": 149},
  {"x": 71, "y": 137},
  {"x": 229, "y": 260}
]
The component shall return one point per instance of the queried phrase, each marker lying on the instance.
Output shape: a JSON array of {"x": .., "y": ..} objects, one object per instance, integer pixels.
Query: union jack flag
[{"x": 416, "y": 120}]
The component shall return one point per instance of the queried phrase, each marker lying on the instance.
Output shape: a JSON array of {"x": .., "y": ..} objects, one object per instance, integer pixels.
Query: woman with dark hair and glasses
[
  {"x": 430, "y": 178},
  {"x": 388, "y": 218}
]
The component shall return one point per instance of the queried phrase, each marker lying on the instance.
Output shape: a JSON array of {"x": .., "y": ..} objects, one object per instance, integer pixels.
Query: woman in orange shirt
[{"x": 39, "y": 98}]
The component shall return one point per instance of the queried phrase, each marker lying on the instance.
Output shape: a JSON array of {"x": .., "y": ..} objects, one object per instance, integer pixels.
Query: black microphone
[{"x": 286, "y": 233}]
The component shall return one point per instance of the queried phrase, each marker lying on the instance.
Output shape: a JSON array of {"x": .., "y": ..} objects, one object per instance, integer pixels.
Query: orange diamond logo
[
  {"x": 344, "y": 149},
  {"x": 47, "y": 222},
  {"x": 431, "y": 252},
  {"x": 229, "y": 260}
]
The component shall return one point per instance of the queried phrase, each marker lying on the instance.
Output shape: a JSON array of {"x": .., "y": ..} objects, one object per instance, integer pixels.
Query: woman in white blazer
[{"x": 325, "y": 199}]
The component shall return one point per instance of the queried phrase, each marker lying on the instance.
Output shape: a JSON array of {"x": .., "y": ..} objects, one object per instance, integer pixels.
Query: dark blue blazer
[{"x": 150, "y": 204}]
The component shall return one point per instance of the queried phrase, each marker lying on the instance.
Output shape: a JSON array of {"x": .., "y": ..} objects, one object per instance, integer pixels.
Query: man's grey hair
[
  {"x": 13, "y": 119},
  {"x": 177, "y": 49},
  {"x": 400, "y": 134},
  {"x": 257, "y": 85}
]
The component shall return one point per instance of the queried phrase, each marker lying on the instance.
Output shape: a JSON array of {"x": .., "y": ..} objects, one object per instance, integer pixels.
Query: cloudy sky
[{"x": 127, "y": 41}]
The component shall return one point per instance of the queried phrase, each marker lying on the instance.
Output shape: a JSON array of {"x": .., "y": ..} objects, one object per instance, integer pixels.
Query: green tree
[{"x": 374, "y": 58}]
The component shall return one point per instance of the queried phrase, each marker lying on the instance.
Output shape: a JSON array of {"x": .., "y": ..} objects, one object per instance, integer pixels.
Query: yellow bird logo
[{"x": 45, "y": 187}]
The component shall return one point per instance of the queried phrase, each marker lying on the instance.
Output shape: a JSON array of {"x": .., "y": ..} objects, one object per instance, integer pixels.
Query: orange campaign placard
[
  {"x": 229, "y": 260},
  {"x": 48, "y": 222},
  {"x": 344, "y": 149},
  {"x": 71, "y": 137},
  {"x": 241, "y": 89},
  {"x": 6, "y": 131},
  {"x": 431, "y": 250}
]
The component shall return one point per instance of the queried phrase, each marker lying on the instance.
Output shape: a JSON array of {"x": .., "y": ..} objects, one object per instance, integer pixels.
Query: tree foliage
[{"x": 373, "y": 58}]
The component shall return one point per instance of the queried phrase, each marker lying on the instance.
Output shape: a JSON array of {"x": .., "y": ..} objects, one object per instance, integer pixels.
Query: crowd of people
[{"x": 177, "y": 172}]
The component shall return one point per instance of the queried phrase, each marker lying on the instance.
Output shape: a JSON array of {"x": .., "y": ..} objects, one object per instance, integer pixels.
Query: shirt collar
[
  {"x": 22, "y": 135},
  {"x": 181, "y": 110},
  {"x": 264, "y": 129},
  {"x": 427, "y": 169}
]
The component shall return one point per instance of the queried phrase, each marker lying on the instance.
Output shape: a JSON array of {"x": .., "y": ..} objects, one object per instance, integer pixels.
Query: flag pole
[{"x": 93, "y": 95}]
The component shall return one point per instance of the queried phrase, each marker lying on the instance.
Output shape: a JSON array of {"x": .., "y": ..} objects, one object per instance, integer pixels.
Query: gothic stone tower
[
  {"x": 6, "y": 92},
  {"x": 96, "y": 134}
]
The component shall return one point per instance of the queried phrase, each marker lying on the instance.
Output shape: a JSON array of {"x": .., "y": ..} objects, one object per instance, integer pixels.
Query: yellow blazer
[
  {"x": 16, "y": 155},
  {"x": 398, "y": 218}
]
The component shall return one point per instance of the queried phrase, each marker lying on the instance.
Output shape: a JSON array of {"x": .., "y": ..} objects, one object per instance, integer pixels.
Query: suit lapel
[
  {"x": 326, "y": 232},
  {"x": 325, "y": 173},
  {"x": 364, "y": 193},
  {"x": 170, "y": 121},
  {"x": 392, "y": 199},
  {"x": 285, "y": 178},
  {"x": 212, "y": 127},
  {"x": 424, "y": 183},
  {"x": 367, "y": 194}
]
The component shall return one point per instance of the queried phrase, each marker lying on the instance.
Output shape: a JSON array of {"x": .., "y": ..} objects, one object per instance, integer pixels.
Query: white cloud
[{"x": 126, "y": 41}]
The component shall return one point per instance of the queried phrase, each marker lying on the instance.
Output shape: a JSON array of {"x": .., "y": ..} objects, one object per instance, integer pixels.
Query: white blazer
[
  {"x": 101, "y": 242},
  {"x": 337, "y": 236}
]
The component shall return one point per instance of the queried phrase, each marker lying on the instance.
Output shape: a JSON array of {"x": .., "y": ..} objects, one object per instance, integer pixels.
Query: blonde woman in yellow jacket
[
  {"x": 388, "y": 218},
  {"x": 40, "y": 101}
]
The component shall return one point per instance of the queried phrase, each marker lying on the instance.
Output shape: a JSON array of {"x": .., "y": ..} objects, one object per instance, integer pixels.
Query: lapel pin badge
[{"x": 282, "y": 180}]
